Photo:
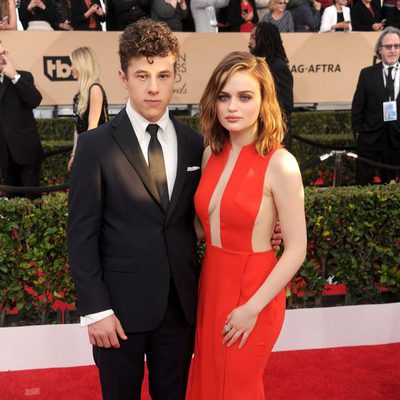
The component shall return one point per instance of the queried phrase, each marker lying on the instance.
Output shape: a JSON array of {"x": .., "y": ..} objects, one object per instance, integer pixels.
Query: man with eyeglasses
[
  {"x": 20, "y": 149},
  {"x": 375, "y": 108}
]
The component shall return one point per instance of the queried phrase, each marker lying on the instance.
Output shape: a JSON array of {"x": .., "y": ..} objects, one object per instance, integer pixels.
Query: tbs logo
[{"x": 57, "y": 68}]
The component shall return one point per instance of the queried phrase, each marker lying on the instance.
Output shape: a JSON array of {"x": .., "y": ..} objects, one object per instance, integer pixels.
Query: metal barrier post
[{"x": 337, "y": 173}]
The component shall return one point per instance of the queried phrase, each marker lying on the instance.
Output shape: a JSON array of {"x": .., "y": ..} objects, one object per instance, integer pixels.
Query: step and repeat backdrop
[{"x": 325, "y": 67}]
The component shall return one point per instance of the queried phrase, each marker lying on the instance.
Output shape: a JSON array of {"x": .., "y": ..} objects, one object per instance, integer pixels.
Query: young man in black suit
[
  {"x": 20, "y": 149},
  {"x": 378, "y": 137},
  {"x": 130, "y": 231}
]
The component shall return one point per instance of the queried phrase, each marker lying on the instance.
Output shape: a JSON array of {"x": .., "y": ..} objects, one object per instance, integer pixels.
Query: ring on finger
[{"x": 227, "y": 328}]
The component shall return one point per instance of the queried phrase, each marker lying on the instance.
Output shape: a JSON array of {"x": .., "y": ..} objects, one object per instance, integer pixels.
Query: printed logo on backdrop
[
  {"x": 315, "y": 68},
  {"x": 57, "y": 68},
  {"x": 181, "y": 78}
]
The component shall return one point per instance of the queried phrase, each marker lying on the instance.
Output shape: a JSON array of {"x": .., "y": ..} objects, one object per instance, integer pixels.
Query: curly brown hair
[
  {"x": 146, "y": 38},
  {"x": 270, "y": 124}
]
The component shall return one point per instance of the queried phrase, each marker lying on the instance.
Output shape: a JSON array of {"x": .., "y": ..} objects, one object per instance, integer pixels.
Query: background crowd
[{"x": 202, "y": 15}]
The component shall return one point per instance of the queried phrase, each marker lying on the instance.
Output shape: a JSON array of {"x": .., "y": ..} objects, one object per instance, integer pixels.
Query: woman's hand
[
  {"x": 99, "y": 11},
  {"x": 4, "y": 24},
  {"x": 239, "y": 323}
]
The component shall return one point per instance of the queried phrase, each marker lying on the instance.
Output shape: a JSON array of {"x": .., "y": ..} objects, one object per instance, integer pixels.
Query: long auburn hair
[
  {"x": 85, "y": 61},
  {"x": 270, "y": 124}
]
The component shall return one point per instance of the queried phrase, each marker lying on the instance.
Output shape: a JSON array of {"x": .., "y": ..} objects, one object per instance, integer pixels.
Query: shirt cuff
[
  {"x": 92, "y": 318},
  {"x": 16, "y": 79}
]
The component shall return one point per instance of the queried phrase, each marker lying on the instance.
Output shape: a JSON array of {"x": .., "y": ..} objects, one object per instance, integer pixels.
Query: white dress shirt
[
  {"x": 169, "y": 143},
  {"x": 395, "y": 76},
  {"x": 14, "y": 80}
]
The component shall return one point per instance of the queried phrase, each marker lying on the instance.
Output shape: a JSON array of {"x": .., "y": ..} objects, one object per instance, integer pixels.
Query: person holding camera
[{"x": 87, "y": 15}]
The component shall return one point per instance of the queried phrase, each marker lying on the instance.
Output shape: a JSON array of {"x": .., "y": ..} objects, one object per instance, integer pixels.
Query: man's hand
[
  {"x": 105, "y": 332},
  {"x": 7, "y": 68},
  {"x": 377, "y": 26},
  {"x": 276, "y": 239}
]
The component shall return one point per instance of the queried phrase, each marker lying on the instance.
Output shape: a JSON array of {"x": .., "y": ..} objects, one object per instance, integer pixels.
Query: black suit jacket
[
  {"x": 367, "y": 107},
  {"x": 78, "y": 21},
  {"x": 284, "y": 83},
  {"x": 362, "y": 19},
  {"x": 18, "y": 130},
  {"x": 123, "y": 247}
]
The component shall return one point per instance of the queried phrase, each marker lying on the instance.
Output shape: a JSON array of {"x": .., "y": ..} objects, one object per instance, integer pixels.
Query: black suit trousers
[
  {"x": 168, "y": 350},
  {"x": 381, "y": 151},
  {"x": 27, "y": 175}
]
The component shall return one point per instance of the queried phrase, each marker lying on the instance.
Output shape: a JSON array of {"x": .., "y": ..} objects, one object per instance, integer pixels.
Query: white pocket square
[{"x": 195, "y": 168}]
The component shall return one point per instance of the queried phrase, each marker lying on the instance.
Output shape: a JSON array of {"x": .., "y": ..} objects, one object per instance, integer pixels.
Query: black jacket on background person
[
  {"x": 361, "y": 19},
  {"x": 78, "y": 21},
  {"x": 49, "y": 14},
  {"x": 129, "y": 11},
  {"x": 376, "y": 140},
  {"x": 20, "y": 148}
]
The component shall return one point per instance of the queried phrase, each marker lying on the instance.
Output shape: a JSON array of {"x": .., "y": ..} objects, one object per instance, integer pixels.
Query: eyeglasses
[{"x": 391, "y": 46}]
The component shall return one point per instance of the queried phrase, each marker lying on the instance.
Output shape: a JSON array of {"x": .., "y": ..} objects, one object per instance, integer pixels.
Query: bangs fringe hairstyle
[
  {"x": 270, "y": 124},
  {"x": 85, "y": 61}
]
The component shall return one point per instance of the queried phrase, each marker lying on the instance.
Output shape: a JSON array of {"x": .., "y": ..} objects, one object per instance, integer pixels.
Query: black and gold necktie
[{"x": 157, "y": 165}]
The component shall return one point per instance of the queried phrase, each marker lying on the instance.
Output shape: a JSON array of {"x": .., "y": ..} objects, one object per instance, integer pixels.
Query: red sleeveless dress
[{"x": 230, "y": 275}]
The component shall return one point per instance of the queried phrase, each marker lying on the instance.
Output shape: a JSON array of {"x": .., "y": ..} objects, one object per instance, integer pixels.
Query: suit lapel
[
  {"x": 125, "y": 136},
  {"x": 379, "y": 81},
  {"x": 183, "y": 162},
  {"x": 3, "y": 86}
]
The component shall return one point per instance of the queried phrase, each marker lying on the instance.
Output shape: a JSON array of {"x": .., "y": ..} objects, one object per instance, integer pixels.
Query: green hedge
[
  {"x": 354, "y": 239},
  {"x": 330, "y": 128},
  {"x": 303, "y": 123}
]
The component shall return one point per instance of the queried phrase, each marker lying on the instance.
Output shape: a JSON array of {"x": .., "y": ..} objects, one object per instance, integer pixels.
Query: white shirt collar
[
  {"x": 386, "y": 67},
  {"x": 139, "y": 123},
  {"x": 1, "y": 77}
]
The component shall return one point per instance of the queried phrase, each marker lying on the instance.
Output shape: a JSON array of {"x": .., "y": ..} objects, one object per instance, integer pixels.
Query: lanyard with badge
[{"x": 390, "y": 107}]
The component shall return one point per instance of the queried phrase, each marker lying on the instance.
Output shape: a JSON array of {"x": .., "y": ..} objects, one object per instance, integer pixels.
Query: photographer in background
[
  {"x": 87, "y": 15},
  {"x": 20, "y": 150}
]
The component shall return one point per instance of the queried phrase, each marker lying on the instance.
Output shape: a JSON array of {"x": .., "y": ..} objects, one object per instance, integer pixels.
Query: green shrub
[
  {"x": 353, "y": 234},
  {"x": 329, "y": 128}
]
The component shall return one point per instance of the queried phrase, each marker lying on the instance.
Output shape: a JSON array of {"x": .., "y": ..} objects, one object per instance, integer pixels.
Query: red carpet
[{"x": 351, "y": 373}]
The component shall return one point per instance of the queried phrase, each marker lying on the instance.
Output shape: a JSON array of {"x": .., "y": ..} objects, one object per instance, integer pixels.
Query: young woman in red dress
[{"x": 249, "y": 182}]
